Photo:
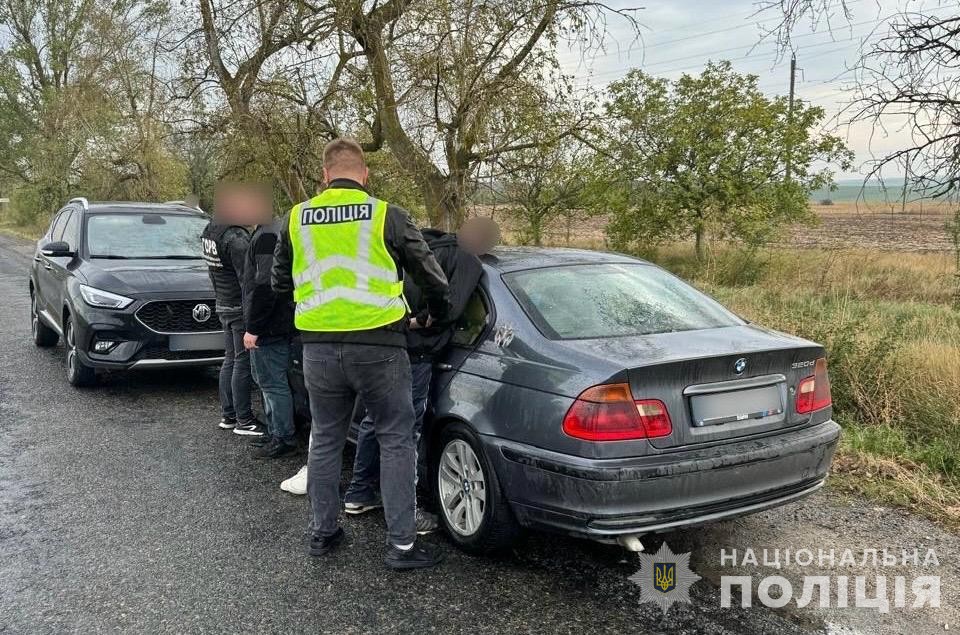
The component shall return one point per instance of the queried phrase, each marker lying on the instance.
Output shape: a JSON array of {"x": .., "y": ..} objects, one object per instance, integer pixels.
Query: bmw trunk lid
[{"x": 717, "y": 384}]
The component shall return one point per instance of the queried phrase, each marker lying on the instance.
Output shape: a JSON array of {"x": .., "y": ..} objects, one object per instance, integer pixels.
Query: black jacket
[
  {"x": 265, "y": 313},
  {"x": 224, "y": 251},
  {"x": 463, "y": 271},
  {"x": 409, "y": 252}
]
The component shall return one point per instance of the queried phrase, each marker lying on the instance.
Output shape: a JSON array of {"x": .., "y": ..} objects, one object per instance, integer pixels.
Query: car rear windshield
[
  {"x": 610, "y": 300},
  {"x": 146, "y": 235}
]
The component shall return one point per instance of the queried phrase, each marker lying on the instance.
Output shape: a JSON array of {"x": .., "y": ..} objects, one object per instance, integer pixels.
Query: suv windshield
[
  {"x": 147, "y": 235},
  {"x": 609, "y": 300}
]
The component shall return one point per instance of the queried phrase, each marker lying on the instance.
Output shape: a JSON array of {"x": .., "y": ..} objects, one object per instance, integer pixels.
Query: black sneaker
[
  {"x": 355, "y": 508},
  {"x": 252, "y": 428},
  {"x": 426, "y": 522},
  {"x": 259, "y": 442},
  {"x": 275, "y": 450},
  {"x": 322, "y": 545},
  {"x": 416, "y": 557},
  {"x": 228, "y": 423}
]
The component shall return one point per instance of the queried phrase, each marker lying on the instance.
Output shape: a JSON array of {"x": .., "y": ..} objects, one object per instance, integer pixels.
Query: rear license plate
[
  {"x": 738, "y": 405},
  {"x": 197, "y": 342}
]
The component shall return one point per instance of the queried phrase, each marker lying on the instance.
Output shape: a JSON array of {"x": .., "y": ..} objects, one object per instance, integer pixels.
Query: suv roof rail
[{"x": 83, "y": 202}]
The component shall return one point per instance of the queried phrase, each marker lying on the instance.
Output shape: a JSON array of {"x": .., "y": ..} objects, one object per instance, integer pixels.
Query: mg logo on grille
[{"x": 202, "y": 312}]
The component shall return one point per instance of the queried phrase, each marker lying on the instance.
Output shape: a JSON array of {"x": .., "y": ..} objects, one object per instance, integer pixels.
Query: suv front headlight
[{"x": 104, "y": 299}]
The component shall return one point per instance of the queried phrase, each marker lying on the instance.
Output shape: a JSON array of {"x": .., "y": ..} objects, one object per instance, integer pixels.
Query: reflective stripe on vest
[{"x": 373, "y": 295}]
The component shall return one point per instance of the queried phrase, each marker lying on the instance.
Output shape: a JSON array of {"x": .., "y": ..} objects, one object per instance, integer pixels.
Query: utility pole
[
  {"x": 906, "y": 179},
  {"x": 793, "y": 80}
]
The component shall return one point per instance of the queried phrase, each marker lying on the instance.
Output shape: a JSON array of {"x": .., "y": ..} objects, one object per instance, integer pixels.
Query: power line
[
  {"x": 737, "y": 27},
  {"x": 587, "y": 79}
]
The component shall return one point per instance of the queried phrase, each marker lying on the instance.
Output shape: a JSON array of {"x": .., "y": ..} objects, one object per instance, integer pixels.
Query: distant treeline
[{"x": 872, "y": 193}]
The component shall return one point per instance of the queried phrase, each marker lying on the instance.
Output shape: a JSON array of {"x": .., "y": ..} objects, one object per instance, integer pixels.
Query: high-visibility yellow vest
[{"x": 344, "y": 277}]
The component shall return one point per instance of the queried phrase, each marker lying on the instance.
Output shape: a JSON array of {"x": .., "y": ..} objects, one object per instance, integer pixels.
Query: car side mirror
[{"x": 58, "y": 249}]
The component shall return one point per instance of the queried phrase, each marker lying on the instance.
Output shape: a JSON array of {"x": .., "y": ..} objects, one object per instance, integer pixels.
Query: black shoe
[
  {"x": 228, "y": 423},
  {"x": 259, "y": 442},
  {"x": 275, "y": 450},
  {"x": 251, "y": 428},
  {"x": 322, "y": 545},
  {"x": 416, "y": 557}
]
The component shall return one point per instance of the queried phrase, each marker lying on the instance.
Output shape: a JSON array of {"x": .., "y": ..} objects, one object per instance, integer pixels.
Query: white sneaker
[{"x": 296, "y": 484}]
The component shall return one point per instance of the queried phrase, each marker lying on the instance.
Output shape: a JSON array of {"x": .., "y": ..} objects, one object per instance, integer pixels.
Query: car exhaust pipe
[{"x": 630, "y": 542}]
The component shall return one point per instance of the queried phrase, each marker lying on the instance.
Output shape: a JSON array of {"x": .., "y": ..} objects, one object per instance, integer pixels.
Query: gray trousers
[{"x": 335, "y": 375}]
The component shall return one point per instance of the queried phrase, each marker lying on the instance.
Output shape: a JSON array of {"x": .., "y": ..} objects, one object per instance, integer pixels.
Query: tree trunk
[
  {"x": 444, "y": 203},
  {"x": 700, "y": 240}
]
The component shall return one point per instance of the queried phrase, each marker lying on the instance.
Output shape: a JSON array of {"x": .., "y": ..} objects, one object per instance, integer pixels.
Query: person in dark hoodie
[
  {"x": 224, "y": 242},
  {"x": 457, "y": 255},
  {"x": 268, "y": 318}
]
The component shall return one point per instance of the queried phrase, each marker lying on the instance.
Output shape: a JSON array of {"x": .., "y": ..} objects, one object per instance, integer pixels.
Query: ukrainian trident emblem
[{"x": 664, "y": 577}]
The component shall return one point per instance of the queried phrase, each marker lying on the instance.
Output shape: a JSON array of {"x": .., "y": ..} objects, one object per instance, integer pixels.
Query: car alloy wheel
[
  {"x": 463, "y": 488},
  {"x": 71, "y": 342},
  {"x": 43, "y": 335},
  {"x": 78, "y": 374},
  {"x": 34, "y": 318}
]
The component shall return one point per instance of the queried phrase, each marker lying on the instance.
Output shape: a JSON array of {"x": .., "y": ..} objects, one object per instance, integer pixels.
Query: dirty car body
[{"x": 534, "y": 419}]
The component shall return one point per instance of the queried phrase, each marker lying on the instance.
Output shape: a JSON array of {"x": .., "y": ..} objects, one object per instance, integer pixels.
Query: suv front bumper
[{"x": 136, "y": 345}]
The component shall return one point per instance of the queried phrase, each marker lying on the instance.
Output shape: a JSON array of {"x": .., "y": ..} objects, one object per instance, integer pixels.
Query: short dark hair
[{"x": 343, "y": 154}]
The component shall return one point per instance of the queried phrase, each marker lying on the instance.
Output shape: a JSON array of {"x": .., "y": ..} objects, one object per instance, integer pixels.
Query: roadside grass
[
  {"x": 27, "y": 232},
  {"x": 893, "y": 344}
]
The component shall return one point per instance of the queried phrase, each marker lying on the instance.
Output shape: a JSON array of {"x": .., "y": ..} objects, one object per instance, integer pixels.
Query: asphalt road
[{"x": 124, "y": 508}]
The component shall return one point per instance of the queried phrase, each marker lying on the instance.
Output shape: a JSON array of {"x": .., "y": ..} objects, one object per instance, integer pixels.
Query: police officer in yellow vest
[{"x": 342, "y": 254}]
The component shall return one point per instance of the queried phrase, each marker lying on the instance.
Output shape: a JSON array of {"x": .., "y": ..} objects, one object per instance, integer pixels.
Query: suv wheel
[
  {"x": 78, "y": 374},
  {"x": 472, "y": 506},
  {"x": 43, "y": 335}
]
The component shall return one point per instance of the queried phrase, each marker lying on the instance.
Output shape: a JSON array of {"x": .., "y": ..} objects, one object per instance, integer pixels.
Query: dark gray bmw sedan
[{"x": 597, "y": 395}]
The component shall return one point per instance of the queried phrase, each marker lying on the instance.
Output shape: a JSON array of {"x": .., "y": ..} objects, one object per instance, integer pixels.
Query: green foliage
[
  {"x": 82, "y": 109},
  {"x": 706, "y": 155}
]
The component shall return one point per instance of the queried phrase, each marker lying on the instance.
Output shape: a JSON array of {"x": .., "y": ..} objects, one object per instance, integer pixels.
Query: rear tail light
[
  {"x": 610, "y": 413},
  {"x": 813, "y": 392}
]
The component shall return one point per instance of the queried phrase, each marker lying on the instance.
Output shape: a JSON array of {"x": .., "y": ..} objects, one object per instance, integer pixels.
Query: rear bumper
[{"x": 603, "y": 499}]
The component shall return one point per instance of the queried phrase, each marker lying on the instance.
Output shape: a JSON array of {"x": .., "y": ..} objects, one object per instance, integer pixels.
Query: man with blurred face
[
  {"x": 341, "y": 254},
  {"x": 268, "y": 318},
  {"x": 225, "y": 240},
  {"x": 458, "y": 257}
]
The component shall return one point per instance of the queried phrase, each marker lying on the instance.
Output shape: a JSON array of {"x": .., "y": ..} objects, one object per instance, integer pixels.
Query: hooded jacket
[{"x": 463, "y": 271}]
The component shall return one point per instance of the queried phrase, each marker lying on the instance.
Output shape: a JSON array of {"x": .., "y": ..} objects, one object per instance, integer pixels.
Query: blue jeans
[
  {"x": 366, "y": 464},
  {"x": 235, "y": 380},
  {"x": 270, "y": 361},
  {"x": 335, "y": 375}
]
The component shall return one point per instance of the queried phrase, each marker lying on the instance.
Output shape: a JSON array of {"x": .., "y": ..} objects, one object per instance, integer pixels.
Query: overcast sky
[{"x": 681, "y": 36}]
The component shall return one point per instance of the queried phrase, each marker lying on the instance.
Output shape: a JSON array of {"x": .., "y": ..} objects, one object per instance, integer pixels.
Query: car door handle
[
  {"x": 443, "y": 366},
  {"x": 48, "y": 266}
]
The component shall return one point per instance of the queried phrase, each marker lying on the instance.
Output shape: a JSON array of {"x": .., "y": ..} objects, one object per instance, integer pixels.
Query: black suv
[{"x": 126, "y": 286}]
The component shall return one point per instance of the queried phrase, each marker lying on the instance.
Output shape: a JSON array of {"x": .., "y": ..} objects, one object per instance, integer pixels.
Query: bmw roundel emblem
[
  {"x": 202, "y": 313},
  {"x": 740, "y": 365}
]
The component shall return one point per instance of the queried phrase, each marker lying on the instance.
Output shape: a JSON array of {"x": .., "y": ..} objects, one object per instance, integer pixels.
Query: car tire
[
  {"x": 43, "y": 335},
  {"x": 78, "y": 374},
  {"x": 477, "y": 522}
]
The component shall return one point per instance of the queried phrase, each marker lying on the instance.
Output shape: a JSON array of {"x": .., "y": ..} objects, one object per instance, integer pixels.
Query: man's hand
[
  {"x": 415, "y": 324},
  {"x": 250, "y": 340}
]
